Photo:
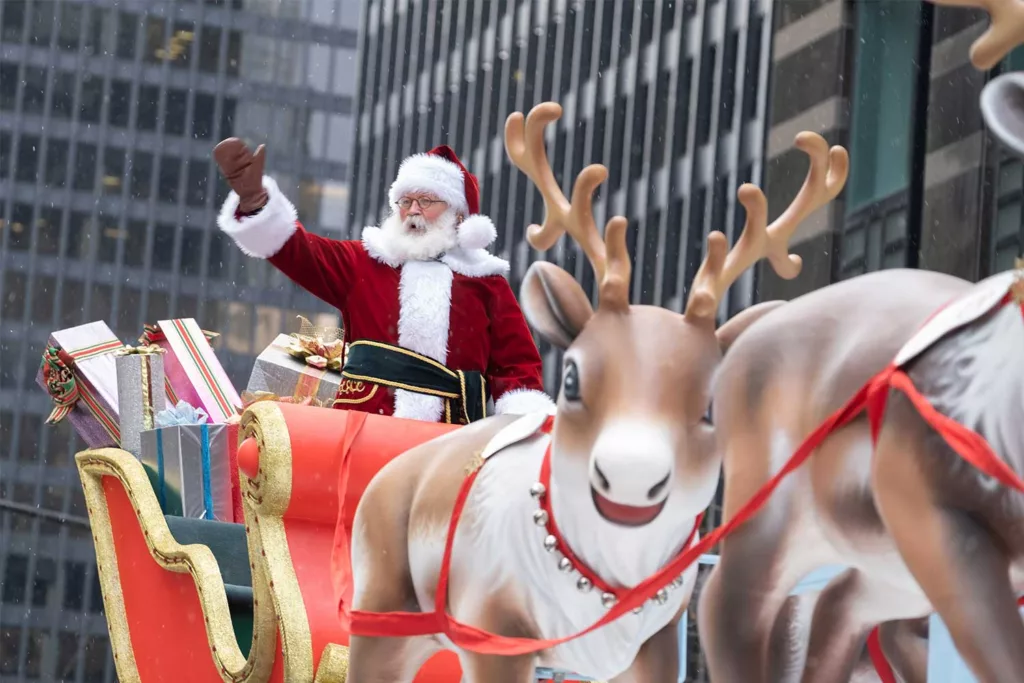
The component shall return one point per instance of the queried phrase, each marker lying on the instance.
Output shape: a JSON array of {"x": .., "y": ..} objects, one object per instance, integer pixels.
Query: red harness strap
[
  {"x": 404, "y": 624},
  {"x": 871, "y": 397}
]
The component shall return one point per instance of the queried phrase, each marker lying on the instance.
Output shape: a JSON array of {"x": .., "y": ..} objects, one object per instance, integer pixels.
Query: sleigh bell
[
  {"x": 540, "y": 517},
  {"x": 538, "y": 490}
]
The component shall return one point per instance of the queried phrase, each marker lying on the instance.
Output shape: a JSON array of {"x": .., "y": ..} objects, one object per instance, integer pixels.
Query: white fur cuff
[
  {"x": 523, "y": 401},
  {"x": 263, "y": 234}
]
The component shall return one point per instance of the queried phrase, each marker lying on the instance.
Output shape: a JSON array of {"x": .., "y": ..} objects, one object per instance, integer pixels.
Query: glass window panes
[
  {"x": 28, "y": 159},
  {"x": 62, "y": 97},
  {"x": 126, "y": 25},
  {"x": 85, "y": 166},
  {"x": 148, "y": 103},
  {"x": 163, "y": 247},
  {"x": 135, "y": 243},
  {"x": 170, "y": 173},
  {"x": 34, "y": 96},
  {"x": 56, "y": 168},
  {"x": 12, "y": 20},
  {"x": 80, "y": 235},
  {"x": 91, "y": 102},
  {"x": 344, "y": 75},
  {"x": 8, "y": 85},
  {"x": 20, "y": 237},
  {"x": 70, "y": 25},
  {"x": 318, "y": 72},
  {"x": 141, "y": 175},
  {"x": 48, "y": 231},
  {"x": 191, "y": 250},
  {"x": 203, "y": 107},
  {"x": 339, "y": 138},
  {"x": 209, "y": 48},
  {"x": 154, "y": 49},
  {"x": 120, "y": 103},
  {"x": 5, "y": 153},
  {"x": 113, "y": 170},
  {"x": 175, "y": 112},
  {"x": 882, "y": 100}
]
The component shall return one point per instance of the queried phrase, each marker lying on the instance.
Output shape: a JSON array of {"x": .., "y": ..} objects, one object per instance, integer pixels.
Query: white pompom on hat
[{"x": 440, "y": 173}]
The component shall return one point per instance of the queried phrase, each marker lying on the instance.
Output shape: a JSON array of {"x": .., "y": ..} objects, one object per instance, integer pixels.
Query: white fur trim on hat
[
  {"x": 476, "y": 232},
  {"x": 430, "y": 174},
  {"x": 261, "y": 235},
  {"x": 523, "y": 401}
]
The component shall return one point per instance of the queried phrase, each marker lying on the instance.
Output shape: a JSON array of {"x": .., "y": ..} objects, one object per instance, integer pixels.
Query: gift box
[
  {"x": 140, "y": 392},
  {"x": 79, "y": 373},
  {"x": 301, "y": 368},
  {"x": 193, "y": 373},
  {"x": 192, "y": 464}
]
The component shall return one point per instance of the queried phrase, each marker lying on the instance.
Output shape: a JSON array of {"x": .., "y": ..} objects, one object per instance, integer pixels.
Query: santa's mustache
[{"x": 417, "y": 223}]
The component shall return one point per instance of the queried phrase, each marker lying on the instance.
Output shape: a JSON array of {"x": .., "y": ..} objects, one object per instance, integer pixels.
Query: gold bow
[
  {"x": 142, "y": 350},
  {"x": 319, "y": 347},
  {"x": 250, "y": 397}
]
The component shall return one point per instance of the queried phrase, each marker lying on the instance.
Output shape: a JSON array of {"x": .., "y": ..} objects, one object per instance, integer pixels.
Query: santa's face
[{"x": 421, "y": 235}]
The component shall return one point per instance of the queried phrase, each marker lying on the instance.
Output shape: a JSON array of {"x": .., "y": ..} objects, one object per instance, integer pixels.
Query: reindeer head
[{"x": 631, "y": 433}]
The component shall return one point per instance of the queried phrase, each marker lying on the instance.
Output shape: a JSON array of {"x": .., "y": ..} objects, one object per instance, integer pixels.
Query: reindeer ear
[
  {"x": 554, "y": 303},
  {"x": 1002, "y": 107},
  {"x": 732, "y": 329}
]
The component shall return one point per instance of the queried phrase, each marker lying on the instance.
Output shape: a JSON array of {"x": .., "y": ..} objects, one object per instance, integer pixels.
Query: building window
[
  {"x": 12, "y": 20},
  {"x": 1008, "y": 231},
  {"x": 875, "y": 238},
  {"x": 882, "y": 100}
]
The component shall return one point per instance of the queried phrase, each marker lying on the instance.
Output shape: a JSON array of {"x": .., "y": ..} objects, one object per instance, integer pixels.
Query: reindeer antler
[
  {"x": 721, "y": 267},
  {"x": 1005, "y": 32},
  {"x": 609, "y": 257}
]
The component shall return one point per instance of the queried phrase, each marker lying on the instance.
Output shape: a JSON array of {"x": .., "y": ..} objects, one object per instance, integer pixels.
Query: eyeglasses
[{"x": 405, "y": 203}]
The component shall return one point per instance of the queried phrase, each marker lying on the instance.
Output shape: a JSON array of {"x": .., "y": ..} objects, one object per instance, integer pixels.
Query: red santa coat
[{"x": 459, "y": 310}]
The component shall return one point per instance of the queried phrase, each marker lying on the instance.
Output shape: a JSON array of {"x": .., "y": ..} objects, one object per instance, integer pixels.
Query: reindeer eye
[{"x": 571, "y": 382}]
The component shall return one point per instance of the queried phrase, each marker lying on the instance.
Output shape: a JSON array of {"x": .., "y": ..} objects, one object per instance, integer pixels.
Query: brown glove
[{"x": 244, "y": 172}]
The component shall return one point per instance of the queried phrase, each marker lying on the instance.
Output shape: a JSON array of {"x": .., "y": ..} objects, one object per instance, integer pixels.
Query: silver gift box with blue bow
[{"x": 187, "y": 460}]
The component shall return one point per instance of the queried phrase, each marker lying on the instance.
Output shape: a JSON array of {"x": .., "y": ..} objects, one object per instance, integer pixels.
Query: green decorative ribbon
[{"x": 60, "y": 383}]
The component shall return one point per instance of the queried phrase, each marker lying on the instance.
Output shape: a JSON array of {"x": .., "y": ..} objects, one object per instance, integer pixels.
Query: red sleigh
[{"x": 191, "y": 600}]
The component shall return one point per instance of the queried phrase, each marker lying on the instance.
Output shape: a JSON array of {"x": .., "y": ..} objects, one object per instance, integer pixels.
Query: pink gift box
[
  {"x": 85, "y": 354},
  {"x": 191, "y": 368}
]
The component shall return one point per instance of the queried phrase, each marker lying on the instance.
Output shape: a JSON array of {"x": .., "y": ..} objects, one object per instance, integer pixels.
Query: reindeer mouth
[{"x": 625, "y": 515}]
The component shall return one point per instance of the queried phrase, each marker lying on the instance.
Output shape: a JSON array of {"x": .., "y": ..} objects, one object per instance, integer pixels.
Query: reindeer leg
[
  {"x": 957, "y": 563},
  {"x": 658, "y": 659},
  {"x": 744, "y": 594},
  {"x": 495, "y": 669},
  {"x": 905, "y": 645}
]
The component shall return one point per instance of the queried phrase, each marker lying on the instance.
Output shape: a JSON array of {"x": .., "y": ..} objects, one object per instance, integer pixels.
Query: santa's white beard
[{"x": 417, "y": 239}]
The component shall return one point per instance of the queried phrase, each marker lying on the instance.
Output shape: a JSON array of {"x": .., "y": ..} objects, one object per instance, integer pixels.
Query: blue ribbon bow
[{"x": 181, "y": 415}]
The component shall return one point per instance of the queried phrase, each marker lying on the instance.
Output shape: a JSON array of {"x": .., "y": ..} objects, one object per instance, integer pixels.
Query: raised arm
[{"x": 264, "y": 224}]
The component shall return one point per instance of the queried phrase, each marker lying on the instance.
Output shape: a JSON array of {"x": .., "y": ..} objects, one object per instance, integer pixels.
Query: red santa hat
[{"x": 440, "y": 173}]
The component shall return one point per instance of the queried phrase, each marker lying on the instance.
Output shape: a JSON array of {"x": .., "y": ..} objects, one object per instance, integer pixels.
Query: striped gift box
[
  {"x": 79, "y": 373},
  {"x": 191, "y": 369}
]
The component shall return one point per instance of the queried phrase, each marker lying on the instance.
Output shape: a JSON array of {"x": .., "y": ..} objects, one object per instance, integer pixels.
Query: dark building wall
[
  {"x": 670, "y": 96},
  {"x": 109, "y": 110},
  {"x": 956, "y": 183}
]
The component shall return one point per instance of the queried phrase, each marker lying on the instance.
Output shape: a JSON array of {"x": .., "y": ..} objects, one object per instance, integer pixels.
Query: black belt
[{"x": 392, "y": 366}]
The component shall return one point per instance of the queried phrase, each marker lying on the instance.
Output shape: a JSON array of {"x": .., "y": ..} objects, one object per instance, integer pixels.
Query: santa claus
[{"x": 432, "y": 325}]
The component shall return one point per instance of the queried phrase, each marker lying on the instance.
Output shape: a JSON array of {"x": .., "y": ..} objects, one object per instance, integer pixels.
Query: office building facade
[
  {"x": 670, "y": 96},
  {"x": 928, "y": 187},
  {"x": 109, "y": 111}
]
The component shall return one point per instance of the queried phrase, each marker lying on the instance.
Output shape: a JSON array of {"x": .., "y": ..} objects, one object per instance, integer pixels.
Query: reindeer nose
[{"x": 632, "y": 463}]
